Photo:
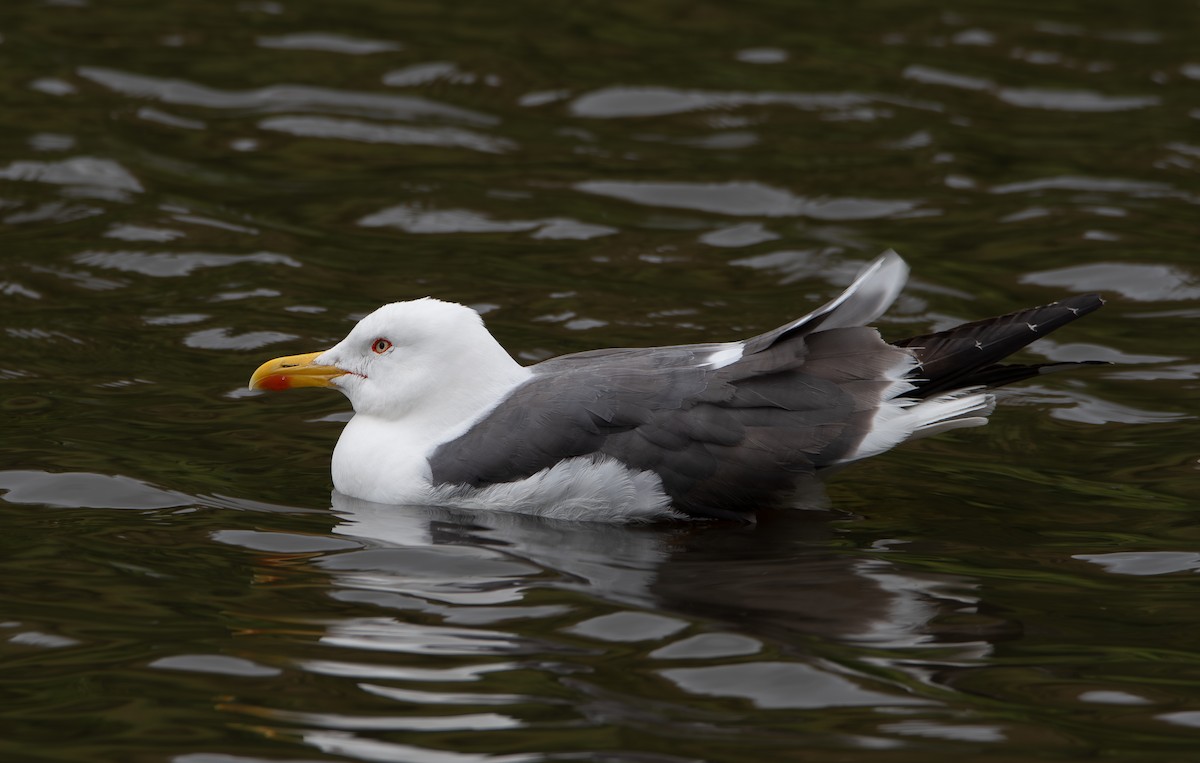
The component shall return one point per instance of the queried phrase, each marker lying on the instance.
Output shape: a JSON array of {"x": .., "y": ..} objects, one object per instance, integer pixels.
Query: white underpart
[
  {"x": 586, "y": 488},
  {"x": 899, "y": 419},
  {"x": 386, "y": 461},
  {"x": 729, "y": 354}
]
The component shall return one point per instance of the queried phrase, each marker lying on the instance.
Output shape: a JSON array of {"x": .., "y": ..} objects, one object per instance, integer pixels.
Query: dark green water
[{"x": 188, "y": 188}]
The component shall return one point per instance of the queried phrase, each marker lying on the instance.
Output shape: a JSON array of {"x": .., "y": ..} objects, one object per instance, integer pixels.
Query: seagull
[{"x": 444, "y": 416}]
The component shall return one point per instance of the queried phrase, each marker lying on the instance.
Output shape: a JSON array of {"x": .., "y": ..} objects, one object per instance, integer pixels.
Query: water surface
[{"x": 187, "y": 189}]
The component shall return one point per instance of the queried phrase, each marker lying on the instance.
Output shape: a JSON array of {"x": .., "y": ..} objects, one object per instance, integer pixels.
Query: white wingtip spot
[{"x": 727, "y": 355}]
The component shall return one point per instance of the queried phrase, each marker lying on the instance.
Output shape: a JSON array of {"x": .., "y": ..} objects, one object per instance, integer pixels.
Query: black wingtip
[
  {"x": 969, "y": 355},
  {"x": 1082, "y": 304}
]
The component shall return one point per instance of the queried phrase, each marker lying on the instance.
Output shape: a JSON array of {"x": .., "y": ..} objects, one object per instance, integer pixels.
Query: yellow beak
[{"x": 294, "y": 371}]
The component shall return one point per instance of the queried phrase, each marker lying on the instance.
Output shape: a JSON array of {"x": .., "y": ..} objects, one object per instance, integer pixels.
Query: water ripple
[
  {"x": 395, "y": 636},
  {"x": 1140, "y": 282},
  {"x": 327, "y": 42},
  {"x": 418, "y": 218},
  {"x": 366, "y": 132},
  {"x": 1082, "y": 101},
  {"x": 617, "y": 102},
  {"x": 781, "y": 685},
  {"x": 177, "y": 264},
  {"x": 77, "y": 171},
  {"x": 744, "y": 199},
  {"x": 72, "y": 490},
  {"x": 217, "y": 664},
  {"x": 278, "y": 98},
  {"x": 341, "y": 743},
  {"x": 464, "y": 722},
  {"x": 1077, "y": 183}
]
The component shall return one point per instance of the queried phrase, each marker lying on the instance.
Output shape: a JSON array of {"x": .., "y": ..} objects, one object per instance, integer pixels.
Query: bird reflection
[
  {"x": 786, "y": 574},
  {"x": 448, "y": 609}
]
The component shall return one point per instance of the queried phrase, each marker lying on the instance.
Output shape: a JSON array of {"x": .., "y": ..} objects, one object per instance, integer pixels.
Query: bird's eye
[{"x": 381, "y": 345}]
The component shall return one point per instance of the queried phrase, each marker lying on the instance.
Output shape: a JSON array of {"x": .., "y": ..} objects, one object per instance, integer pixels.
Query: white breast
[{"x": 382, "y": 461}]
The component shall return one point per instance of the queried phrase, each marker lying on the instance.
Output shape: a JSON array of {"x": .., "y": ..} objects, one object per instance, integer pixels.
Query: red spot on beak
[{"x": 275, "y": 383}]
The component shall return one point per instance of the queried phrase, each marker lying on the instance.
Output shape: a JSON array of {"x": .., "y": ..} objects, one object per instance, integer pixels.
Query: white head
[{"x": 421, "y": 358}]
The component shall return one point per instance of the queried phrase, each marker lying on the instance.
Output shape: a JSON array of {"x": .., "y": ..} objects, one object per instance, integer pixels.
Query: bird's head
[{"x": 402, "y": 356}]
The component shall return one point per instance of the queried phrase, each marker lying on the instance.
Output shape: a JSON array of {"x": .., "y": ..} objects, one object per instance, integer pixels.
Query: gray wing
[{"x": 724, "y": 441}]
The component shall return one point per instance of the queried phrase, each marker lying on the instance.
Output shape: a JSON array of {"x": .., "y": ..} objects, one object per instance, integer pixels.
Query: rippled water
[{"x": 189, "y": 188}]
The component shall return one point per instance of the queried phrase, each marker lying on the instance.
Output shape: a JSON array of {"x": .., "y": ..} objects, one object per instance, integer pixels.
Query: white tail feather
[
  {"x": 957, "y": 410},
  {"x": 902, "y": 419}
]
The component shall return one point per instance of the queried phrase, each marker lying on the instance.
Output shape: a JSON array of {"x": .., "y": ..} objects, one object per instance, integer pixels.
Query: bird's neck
[
  {"x": 457, "y": 395},
  {"x": 483, "y": 388}
]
